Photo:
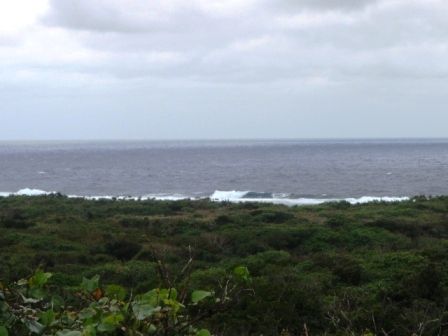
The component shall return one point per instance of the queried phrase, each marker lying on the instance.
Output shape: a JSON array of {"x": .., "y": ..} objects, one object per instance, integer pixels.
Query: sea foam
[
  {"x": 224, "y": 196},
  {"x": 227, "y": 195},
  {"x": 26, "y": 192},
  {"x": 279, "y": 198}
]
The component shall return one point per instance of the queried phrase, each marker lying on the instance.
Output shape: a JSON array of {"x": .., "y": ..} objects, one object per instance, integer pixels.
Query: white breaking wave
[
  {"x": 238, "y": 196},
  {"x": 38, "y": 192},
  {"x": 221, "y": 196},
  {"x": 227, "y": 195},
  {"x": 26, "y": 192},
  {"x": 165, "y": 197}
]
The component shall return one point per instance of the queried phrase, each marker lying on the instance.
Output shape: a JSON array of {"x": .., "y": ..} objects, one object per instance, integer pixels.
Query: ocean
[{"x": 278, "y": 171}]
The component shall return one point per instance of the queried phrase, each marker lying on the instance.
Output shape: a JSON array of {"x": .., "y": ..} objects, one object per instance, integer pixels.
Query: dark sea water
[{"x": 284, "y": 171}]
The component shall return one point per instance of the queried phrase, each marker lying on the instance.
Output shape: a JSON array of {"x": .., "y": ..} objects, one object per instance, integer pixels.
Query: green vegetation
[
  {"x": 26, "y": 307},
  {"x": 331, "y": 269}
]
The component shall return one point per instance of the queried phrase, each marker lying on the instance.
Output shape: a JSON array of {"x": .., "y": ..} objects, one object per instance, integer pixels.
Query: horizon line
[{"x": 225, "y": 139}]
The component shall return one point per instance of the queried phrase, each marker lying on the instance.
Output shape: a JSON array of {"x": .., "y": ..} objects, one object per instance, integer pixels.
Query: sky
[{"x": 223, "y": 69}]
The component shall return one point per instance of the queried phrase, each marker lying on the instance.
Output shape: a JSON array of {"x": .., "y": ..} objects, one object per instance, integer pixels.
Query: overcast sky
[{"x": 203, "y": 69}]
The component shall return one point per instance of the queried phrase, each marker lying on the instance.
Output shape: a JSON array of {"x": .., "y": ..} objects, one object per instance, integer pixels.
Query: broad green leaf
[
  {"x": 66, "y": 332},
  {"x": 34, "y": 326},
  {"x": 57, "y": 300},
  {"x": 151, "y": 297},
  {"x": 86, "y": 313},
  {"x": 116, "y": 292},
  {"x": 67, "y": 320},
  {"x": 163, "y": 294},
  {"x": 3, "y": 331},
  {"x": 173, "y": 293},
  {"x": 168, "y": 294},
  {"x": 3, "y": 306},
  {"x": 203, "y": 332},
  {"x": 143, "y": 310},
  {"x": 94, "y": 305},
  {"x": 125, "y": 308},
  {"x": 103, "y": 301},
  {"x": 7, "y": 319},
  {"x": 89, "y": 331},
  {"x": 241, "y": 272},
  {"x": 39, "y": 279},
  {"x": 175, "y": 305},
  {"x": 91, "y": 284},
  {"x": 199, "y": 295},
  {"x": 105, "y": 327},
  {"x": 151, "y": 329},
  {"x": 113, "y": 319},
  {"x": 47, "y": 317},
  {"x": 38, "y": 292}
]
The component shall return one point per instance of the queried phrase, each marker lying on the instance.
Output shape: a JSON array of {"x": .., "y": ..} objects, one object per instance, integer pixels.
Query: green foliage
[
  {"x": 339, "y": 268},
  {"x": 3, "y": 331},
  {"x": 13, "y": 238},
  {"x": 15, "y": 219},
  {"x": 199, "y": 295},
  {"x": 52, "y": 244},
  {"x": 276, "y": 217},
  {"x": 337, "y": 220},
  {"x": 156, "y": 312},
  {"x": 123, "y": 249}
]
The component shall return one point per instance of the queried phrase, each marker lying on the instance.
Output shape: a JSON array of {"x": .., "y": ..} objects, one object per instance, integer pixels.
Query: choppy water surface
[{"x": 287, "y": 171}]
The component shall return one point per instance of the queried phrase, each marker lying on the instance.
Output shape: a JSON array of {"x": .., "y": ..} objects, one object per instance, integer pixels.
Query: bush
[
  {"x": 123, "y": 249},
  {"x": 10, "y": 223},
  {"x": 27, "y": 307},
  {"x": 52, "y": 244},
  {"x": 13, "y": 238},
  {"x": 275, "y": 217}
]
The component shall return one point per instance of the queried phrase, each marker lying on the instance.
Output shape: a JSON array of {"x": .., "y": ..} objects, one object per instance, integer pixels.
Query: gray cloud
[
  {"x": 8, "y": 41},
  {"x": 322, "y": 5},
  {"x": 253, "y": 69},
  {"x": 91, "y": 16},
  {"x": 256, "y": 45}
]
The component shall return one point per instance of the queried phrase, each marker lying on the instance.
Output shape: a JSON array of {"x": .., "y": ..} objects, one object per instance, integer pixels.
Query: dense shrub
[
  {"x": 337, "y": 268},
  {"x": 123, "y": 249}
]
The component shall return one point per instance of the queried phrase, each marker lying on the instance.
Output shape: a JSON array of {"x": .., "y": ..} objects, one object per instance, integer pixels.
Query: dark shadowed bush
[{"x": 123, "y": 249}]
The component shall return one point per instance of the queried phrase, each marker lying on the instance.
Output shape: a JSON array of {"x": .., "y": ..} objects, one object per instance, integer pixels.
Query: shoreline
[{"x": 221, "y": 196}]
